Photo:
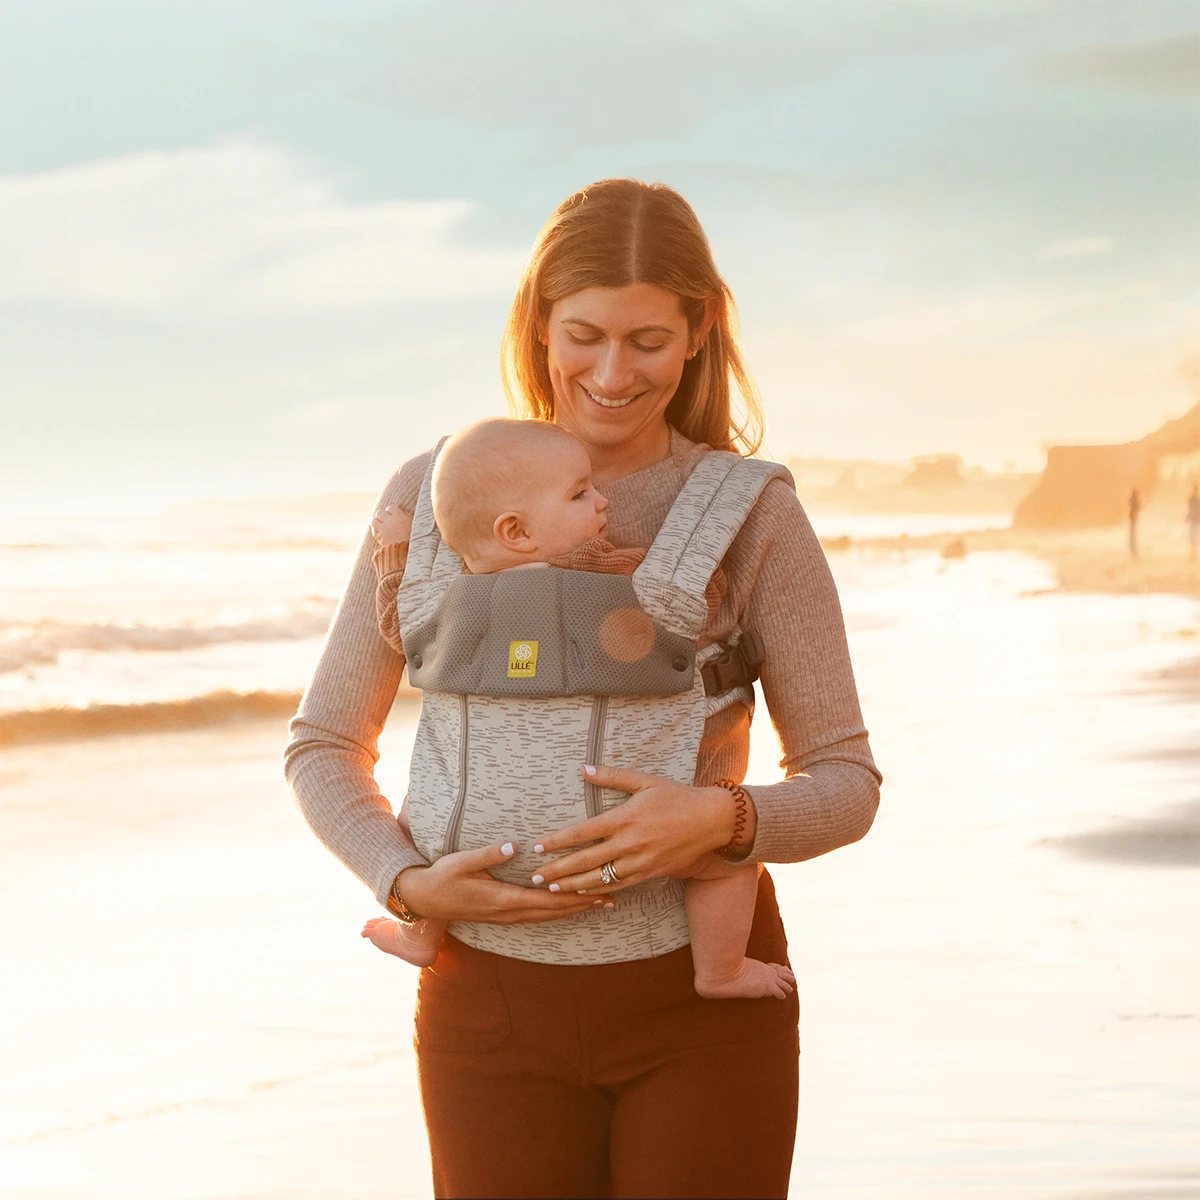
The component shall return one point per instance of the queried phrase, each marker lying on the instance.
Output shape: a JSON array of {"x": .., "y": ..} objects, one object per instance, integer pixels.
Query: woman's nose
[{"x": 613, "y": 372}]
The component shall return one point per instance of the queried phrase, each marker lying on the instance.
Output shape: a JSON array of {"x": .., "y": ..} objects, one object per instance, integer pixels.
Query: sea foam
[{"x": 24, "y": 644}]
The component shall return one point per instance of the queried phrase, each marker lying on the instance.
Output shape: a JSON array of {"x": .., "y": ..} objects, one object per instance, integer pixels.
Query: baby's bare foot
[
  {"x": 417, "y": 944},
  {"x": 753, "y": 979},
  {"x": 391, "y": 525}
]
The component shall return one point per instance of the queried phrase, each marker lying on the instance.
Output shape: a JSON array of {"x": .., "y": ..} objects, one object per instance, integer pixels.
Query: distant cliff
[
  {"x": 1089, "y": 485},
  {"x": 935, "y": 483}
]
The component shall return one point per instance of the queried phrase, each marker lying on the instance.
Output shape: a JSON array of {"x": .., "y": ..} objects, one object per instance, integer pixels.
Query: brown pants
[{"x": 613, "y": 1080}]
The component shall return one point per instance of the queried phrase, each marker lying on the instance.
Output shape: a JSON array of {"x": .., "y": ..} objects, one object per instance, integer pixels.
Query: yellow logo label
[{"x": 522, "y": 660}]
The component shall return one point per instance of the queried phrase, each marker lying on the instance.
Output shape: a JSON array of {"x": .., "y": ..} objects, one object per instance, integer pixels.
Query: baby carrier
[{"x": 526, "y": 675}]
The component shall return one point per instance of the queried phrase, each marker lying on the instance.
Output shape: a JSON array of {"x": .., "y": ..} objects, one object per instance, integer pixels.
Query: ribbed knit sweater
[{"x": 778, "y": 584}]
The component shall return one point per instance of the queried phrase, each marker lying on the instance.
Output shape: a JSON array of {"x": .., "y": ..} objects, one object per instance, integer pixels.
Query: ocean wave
[
  {"x": 40, "y": 644},
  {"x": 98, "y": 720}
]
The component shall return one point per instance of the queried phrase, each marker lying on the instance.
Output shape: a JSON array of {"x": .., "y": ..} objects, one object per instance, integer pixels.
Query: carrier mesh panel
[{"x": 592, "y": 639}]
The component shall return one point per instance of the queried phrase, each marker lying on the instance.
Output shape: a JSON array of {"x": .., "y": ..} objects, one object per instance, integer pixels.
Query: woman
[{"x": 614, "y": 1079}]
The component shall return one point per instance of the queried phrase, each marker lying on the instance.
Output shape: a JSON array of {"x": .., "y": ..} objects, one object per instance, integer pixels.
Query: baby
[{"x": 517, "y": 495}]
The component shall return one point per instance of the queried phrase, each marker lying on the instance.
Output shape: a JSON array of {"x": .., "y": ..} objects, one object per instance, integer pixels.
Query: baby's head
[{"x": 514, "y": 493}]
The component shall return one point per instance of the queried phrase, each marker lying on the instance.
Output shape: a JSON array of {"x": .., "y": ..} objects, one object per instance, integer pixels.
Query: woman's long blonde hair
[{"x": 612, "y": 234}]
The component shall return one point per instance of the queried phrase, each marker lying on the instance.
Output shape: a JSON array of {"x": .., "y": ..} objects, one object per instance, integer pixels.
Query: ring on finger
[{"x": 608, "y": 874}]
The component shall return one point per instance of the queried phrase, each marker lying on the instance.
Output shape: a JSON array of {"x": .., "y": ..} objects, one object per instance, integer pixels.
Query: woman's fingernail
[
  {"x": 554, "y": 887},
  {"x": 506, "y": 849},
  {"x": 610, "y": 904},
  {"x": 539, "y": 879},
  {"x": 589, "y": 770},
  {"x": 595, "y": 904},
  {"x": 539, "y": 849}
]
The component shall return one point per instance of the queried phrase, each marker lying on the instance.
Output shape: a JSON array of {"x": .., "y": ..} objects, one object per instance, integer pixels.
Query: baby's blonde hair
[{"x": 486, "y": 469}]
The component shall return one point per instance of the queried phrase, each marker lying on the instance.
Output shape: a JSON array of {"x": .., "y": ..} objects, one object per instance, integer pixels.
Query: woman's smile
[{"x": 609, "y": 401}]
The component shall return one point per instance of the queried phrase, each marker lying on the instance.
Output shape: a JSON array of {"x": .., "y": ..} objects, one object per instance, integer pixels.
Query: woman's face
[{"x": 615, "y": 357}]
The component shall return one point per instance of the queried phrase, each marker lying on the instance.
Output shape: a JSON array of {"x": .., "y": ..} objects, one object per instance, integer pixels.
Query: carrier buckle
[{"x": 737, "y": 666}]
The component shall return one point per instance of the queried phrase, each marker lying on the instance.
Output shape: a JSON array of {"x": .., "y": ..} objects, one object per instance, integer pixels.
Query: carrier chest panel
[{"x": 487, "y": 769}]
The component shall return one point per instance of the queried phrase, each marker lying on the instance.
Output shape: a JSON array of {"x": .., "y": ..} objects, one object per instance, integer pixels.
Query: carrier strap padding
[
  {"x": 703, "y": 521},
  {"x": 432, "y": 566}
]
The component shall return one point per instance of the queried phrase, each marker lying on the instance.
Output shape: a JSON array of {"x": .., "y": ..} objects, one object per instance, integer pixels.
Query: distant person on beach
[
  {"x": 1193, "y": 520},
  {"x": 613, "y": 1077},
  {"x": 512, "y": 495},
  {"x": 1135, "y": 508}
]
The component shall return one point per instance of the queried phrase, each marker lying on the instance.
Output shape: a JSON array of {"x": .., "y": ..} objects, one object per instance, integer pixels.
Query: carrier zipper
[
  {"x": 593, "y": 798},
  {"x": 454, "y": 825}
]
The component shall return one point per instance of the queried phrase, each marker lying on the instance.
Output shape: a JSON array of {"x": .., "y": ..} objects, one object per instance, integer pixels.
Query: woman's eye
[
  {"x": 579, "y": 495},
  {"x": 582, "y": 341},
  {"x": 648, "y": 349}
]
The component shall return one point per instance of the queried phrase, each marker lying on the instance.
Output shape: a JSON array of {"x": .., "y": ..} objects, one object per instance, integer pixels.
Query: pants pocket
[{"x": 460, "y": 1007}]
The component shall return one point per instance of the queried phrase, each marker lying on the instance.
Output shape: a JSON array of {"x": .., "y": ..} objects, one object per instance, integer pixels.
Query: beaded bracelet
[
  {"x": 740, "y": 802},
  {"x": 397, "y": 906}
]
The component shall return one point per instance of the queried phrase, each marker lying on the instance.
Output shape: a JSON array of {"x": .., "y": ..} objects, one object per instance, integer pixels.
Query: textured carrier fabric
[{"x": 499, "y": 746}]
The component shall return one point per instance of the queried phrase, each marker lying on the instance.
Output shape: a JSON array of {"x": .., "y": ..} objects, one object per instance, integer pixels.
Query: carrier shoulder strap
[
  {"x": 432, "y": 566},
  {"x": 705, "y": 518}
]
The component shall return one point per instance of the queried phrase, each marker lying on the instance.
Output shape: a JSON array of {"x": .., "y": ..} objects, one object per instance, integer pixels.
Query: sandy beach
[
  {"x": 1084, "y": 560},
  {"x": 999, "y": 995},
  {"x": 174, "y": 921}
]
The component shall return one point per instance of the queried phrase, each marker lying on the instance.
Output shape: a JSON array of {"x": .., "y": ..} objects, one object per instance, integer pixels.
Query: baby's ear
[{"x": 512, "y": 532}]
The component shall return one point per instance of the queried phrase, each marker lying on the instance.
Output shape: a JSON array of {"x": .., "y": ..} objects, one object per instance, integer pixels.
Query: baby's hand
[{"x": 391, "y": 525}]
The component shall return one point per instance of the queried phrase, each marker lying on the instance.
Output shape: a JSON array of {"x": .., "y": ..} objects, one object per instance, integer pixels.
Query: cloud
[
  {"x": 233, "y": 229},
  {"x": 1077, "y": 247},
  {"x": 1168, "y": 66}
]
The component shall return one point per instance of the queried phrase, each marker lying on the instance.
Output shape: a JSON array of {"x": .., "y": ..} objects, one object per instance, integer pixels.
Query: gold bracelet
[
  {"x": 396, "y": 905},
  {"x": 741, "y": 802}
]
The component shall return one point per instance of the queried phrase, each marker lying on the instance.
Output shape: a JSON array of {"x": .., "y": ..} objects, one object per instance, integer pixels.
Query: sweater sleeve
[
  {"x": 330, "y": 760},
  {"x": 782, "y": 585},
  {"x": 389, "y": 562}
]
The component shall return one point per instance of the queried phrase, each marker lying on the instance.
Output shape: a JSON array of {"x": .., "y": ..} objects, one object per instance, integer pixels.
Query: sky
[{"x": 268, "y": 248}]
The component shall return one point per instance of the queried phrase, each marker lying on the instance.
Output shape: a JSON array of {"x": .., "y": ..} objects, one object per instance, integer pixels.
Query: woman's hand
[
  {"x": 662, "y": 829},
  {"x": 458, "y": 888}
]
